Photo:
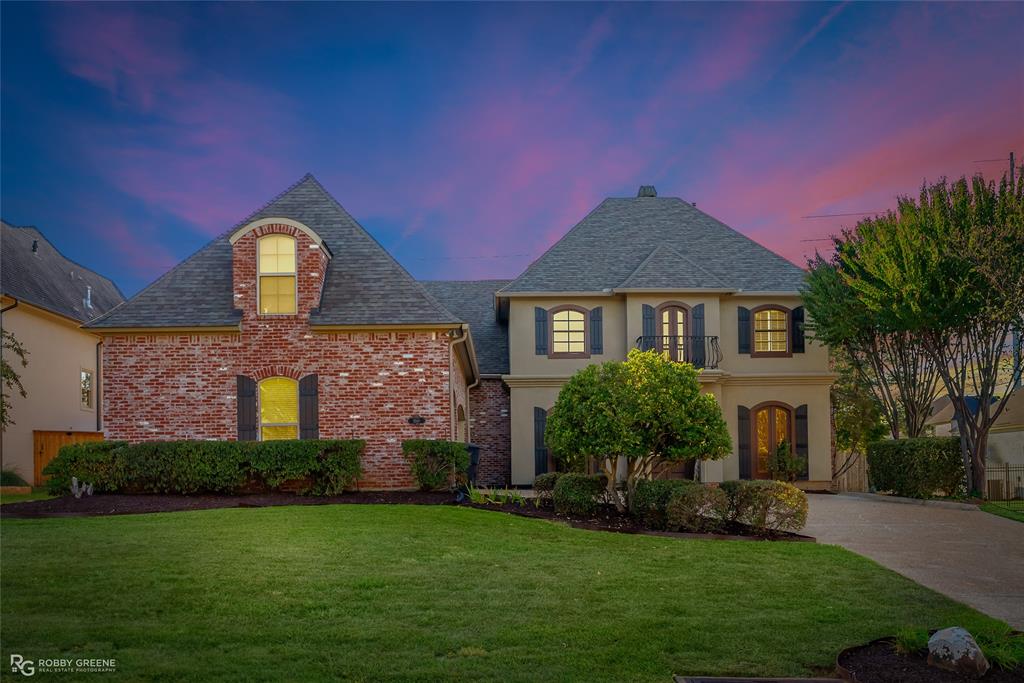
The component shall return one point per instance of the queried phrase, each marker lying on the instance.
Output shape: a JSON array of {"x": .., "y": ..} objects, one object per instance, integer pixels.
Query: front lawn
[
  {"x": 996, "y": 509},
  {"x": 427, "y": 592}
]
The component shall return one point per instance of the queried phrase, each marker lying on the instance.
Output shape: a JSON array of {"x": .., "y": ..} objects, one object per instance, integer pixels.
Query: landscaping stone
[{"x": 954, "y": 649}]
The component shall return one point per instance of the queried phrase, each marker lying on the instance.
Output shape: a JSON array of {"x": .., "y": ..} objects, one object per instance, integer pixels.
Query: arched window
[
  {"x": 461, "y": 426},
  {"x": 772, "y": 423},
  {"x": 673, "y": 326},
  {"x": 771, "y": 331},
  {"x": 276, "y": 265},
  {"x": 568, "y": 332},
  {"x": 279, "y": 409}
]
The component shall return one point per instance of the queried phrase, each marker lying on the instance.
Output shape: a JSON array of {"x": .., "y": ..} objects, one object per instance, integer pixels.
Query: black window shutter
[
  {"x": 743, "y": 329},
  {"x": 796, "y": 318},
  {"x": 247, "y": 423},
  {"x": 743, "y": 440},
  {"x": 649, "y": 330},
  {"x": 801, "y": 439},
  {"x": 309, "y": 407},
  {"x": 540, "y": 331},
  {"x": 540, "y": 451},
  {"x": 596, "y": 333},
  {"x": 697, "y": 336}
]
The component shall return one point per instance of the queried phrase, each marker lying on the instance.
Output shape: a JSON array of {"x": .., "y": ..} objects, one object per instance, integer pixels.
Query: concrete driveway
[{"x": 969, "y": 555}]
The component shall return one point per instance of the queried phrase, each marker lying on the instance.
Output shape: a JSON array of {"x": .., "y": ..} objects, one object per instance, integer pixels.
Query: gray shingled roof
[
  {"x": 364, "y": 284},
  {"x": 473, "y": 301},
  {"x": 45, "y": 278},
  {"x": 611, "y": 244},
  {"x": 666, "y": 268}
]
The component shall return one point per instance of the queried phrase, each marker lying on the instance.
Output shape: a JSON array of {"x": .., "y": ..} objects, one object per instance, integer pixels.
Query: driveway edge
[{"x": 909, "y": 501}]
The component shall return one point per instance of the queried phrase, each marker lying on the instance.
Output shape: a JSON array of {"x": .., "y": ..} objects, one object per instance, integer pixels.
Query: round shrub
[
  {"x": 917, "y": 468},
  {"x": 578, "y": 494},
  {"x": 767, "y": 506},
  {"x": 436, "y": 463},
  {"x": 697, "y": 509},
  {"x": 544, "y": 485},
  {"x": 651, "y": 496}
]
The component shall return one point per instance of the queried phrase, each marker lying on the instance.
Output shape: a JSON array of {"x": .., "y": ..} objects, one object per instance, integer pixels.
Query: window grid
[
  {"x": 568, "y": 332},
  {"x": 770, "y": 331},
  {"x": 277, "y": 275}
]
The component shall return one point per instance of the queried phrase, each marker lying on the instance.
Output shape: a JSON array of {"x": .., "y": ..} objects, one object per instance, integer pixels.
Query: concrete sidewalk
[{"x": 969, "y": 555}]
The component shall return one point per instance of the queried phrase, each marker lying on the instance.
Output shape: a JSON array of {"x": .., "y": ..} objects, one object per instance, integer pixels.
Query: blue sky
[{"x": 468, "y": 137}]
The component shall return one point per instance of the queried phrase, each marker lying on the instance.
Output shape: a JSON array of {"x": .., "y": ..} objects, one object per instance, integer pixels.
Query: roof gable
[
  {"x": 44, "y": 277},
  {"x": 364, "y": 285},
  {"x": 473, "y": 301},
  {"x": 611, "y": 244}
]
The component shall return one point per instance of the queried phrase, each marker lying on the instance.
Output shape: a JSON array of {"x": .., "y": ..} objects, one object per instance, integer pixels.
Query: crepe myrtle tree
[
  {"x": 10, "y": 380},
  {"x": 646, "y": 412}
]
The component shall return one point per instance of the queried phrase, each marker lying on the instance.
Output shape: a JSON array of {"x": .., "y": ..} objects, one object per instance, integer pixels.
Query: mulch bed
[
  {"x": 124, "y": 504},
  {"x": 878, "y": 662},
  {"x": 607, "y": 518}
]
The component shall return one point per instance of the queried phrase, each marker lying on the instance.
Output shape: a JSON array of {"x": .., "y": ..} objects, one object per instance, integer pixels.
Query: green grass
[
  {"x": 427, "y": 593},
  {"x": 37, "y": 494},
  {"x": 994, "y": 509}
]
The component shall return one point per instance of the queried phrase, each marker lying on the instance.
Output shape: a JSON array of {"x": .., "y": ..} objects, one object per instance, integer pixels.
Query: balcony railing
[{"x": 701, "y": 352}]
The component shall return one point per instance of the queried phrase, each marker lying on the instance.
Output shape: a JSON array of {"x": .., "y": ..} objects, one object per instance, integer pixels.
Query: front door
[
  {"x": 772, "y": 425},
  {"x": 672, "y": 342}
]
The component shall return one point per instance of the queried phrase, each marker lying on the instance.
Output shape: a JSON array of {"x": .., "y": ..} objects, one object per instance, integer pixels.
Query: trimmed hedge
[
  {"x": 325, "y": 467},
  {"x": 436, "y": 463},
  {"x": 697, "y": 509},
  {"x": 765, "y": 505},
  {"x": 917, "y": 468},
  {"x": 544, "y": 485},
  {"x": 578, "y": 494},
  {"x": 650, "y": 499},
  {"x": 11, "y": 478}
]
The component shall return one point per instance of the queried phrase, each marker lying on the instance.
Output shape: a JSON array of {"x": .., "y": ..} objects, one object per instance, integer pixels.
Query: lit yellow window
[
  {"x": 770, "y": 329},
  {"x": 279, "y": 409},
  {"x": 568, "y": 332},
  {"x": 277, "y": 274}
]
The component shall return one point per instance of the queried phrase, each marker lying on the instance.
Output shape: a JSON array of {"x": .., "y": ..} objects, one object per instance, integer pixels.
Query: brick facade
[
  {"x": 183, "y": 386},
  {"x": 490, "y": 428}
]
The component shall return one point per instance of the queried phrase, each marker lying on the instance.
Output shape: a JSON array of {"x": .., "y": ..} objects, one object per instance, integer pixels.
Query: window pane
[
  {"x": 761, "y": 426},
  {"x": 86, "y": 388},
  {"x": 277, "y": 254},
  {"x": 280, "y": 432},
  {"x": 770, "y": 330},
  {"x": 568, "y": 332},
  {"x": 279, "y": 401},
  {"x": 782, "y": 427},
  {"x": 277, "y": 294}
]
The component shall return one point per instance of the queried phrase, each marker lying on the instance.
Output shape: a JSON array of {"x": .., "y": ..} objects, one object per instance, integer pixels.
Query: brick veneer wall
[
  {"x": 183, "y": 386},
  {"x": 491, "y": 428}
]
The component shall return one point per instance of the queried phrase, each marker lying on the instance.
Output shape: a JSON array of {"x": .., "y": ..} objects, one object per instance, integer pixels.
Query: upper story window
[
  {"x": 568, "y": 332},
  {"x": 276, "y": 266},
  {"x": 771, "y": 331},
  {"x": 279, "y": 409},
  {"x": 86, "y": 389}
]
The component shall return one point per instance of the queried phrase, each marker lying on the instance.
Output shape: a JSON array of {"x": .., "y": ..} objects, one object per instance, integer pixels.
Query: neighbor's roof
[
  {"x": 473, "y": 301},
  {"x": 632, "y": 243},
  {"x": 45, "y": 278},
  {"x": 364, "y": 284}
]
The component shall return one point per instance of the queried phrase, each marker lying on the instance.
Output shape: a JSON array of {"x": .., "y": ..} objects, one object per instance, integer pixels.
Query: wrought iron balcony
[{"x": 701, "y": 352}]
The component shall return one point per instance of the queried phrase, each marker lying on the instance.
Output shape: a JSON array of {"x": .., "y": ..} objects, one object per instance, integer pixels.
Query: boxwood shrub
[
  {"x": 917, "y": 468},
  {"x": 184, "y": 467},
  {"x": 764, "y": 505},
  {"x": 544, "y": 485},
  {"x": 650, "y": 499},
  {"x": 696, "y": 508},
  {"x": 578, "y": 494},
  {"x": 436, "y": 463}
]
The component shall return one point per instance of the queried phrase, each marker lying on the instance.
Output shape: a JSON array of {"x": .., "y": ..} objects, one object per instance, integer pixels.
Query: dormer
[{"x": 279, "y": 266}]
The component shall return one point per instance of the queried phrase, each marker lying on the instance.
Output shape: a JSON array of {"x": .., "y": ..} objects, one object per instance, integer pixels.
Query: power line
[
  {"x": 838, "y": 215},
  {"x": 468, "y": 258}
]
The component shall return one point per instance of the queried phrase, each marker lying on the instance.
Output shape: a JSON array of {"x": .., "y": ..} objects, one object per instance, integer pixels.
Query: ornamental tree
[
  {"x": 643, "y": 414},
  {"x": 10, "y": 380}
]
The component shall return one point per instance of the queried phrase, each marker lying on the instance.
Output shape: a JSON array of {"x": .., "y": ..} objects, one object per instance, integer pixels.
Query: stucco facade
[{"x": 59, "y": 350}]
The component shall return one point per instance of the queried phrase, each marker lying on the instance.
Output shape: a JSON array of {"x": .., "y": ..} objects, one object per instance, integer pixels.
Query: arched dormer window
[{"x": 276, "y": 268}]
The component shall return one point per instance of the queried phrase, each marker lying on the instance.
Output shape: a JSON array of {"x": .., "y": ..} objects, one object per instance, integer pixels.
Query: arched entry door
[
  {"x": 772, "y": 423},
  {"x": 674, "y": 322}
]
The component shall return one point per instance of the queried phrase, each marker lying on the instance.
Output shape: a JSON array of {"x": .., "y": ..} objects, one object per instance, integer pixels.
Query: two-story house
[{"x": 296, "y": 323}]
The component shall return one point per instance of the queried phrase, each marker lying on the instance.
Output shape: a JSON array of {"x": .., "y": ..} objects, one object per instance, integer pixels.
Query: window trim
[
  {"x": 92, "y": 390},
  {"x": 788, "y": 313},
  {"x": 260, "y": 275},
  {"x": 763, "y": 405},
  {"x": 551, "y": 332},
  {"x": 259, "y": 409}
]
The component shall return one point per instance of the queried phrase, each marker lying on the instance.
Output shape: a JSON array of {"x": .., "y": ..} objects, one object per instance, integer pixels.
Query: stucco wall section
[{"x": 490, "y": 428}]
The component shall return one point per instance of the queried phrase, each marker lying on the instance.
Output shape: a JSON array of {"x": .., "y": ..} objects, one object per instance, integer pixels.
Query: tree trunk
[{"x": 979, "y": 481}]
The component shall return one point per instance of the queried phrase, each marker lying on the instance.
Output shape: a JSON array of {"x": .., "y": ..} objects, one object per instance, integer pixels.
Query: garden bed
[
  {"x": 879, "y": 662},
  {"x": 607, "y": 518},
  {"x": 125, "y": 504}
]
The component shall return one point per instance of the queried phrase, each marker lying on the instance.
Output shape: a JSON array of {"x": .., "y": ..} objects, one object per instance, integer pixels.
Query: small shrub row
[
  {"x": 650, "y": 499},
  {"x": 764, "y": 505},
  {"x": 917, "y": 468},
  {"x": 696, "y": 508},
  {"x": 436, "y": 463},
  {"x": 578, "y": 494},
  {"x": 318, "y": 467}
]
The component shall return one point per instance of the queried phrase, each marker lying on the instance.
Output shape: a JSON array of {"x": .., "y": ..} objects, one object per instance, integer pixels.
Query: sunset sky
[{"x": 468, "y": 137}]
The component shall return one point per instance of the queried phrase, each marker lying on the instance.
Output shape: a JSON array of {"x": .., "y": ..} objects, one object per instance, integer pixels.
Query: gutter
[
  {"x": 14, "y": 305},
  {"x": 463, "y": 338}
]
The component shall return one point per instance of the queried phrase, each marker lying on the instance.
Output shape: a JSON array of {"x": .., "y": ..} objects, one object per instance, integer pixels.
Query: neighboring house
[
  {"x": 1005, "y": 438},
  {"x": 296, "y": 323},
  {"x": 655, "y": 272},
  {"x": 45, "y": 299}
]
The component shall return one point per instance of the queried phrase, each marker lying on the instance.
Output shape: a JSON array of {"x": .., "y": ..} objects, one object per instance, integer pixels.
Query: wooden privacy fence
[
  {"x": 854, "y": 474},
  {"x": 46, "y": 445}
]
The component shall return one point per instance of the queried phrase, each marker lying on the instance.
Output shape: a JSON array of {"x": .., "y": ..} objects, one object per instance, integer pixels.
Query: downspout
[
  {"x": 463, "y": 338},
  {"x": 99, "y": 386}
]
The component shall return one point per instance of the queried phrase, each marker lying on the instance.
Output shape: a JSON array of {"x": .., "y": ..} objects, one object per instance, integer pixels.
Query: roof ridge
[
  {"x": 430, "y": 299},
  {"x": 717, "y": 280}
]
